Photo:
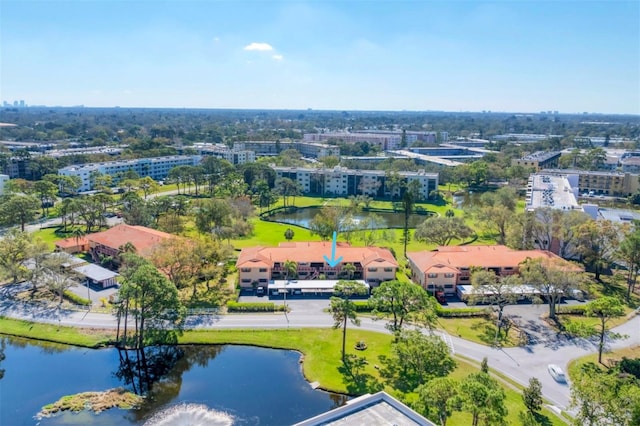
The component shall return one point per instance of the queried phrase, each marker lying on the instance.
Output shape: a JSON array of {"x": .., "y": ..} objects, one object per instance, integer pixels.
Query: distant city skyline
[{"x": 512, "y": 56}]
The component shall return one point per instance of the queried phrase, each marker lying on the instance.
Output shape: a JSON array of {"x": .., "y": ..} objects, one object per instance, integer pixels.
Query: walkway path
[{"x": 517, "y": 363}]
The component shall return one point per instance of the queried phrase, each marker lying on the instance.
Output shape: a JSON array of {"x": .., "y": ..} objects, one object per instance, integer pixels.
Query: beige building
[
  {"x": 614, "y": 184},
  {"x": 538, "y": 160},
  {"x": 448, "y": 266},
  {"x": 259, "y": 265}
]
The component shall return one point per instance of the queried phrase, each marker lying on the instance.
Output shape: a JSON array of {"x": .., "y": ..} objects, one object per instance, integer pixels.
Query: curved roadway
[{"x": 518, "y": 363}]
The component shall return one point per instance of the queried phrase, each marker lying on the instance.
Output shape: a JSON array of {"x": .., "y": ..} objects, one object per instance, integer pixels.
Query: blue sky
[{"x": 526, "y": 56}]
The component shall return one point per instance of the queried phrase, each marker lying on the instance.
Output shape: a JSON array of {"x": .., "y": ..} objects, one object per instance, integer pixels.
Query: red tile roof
[
  {"x": 143, "y": 239},
  {"x": 482, "y": 256},
  {"x": 72, "y": 242},
  {"x": 315, "y": 252}
]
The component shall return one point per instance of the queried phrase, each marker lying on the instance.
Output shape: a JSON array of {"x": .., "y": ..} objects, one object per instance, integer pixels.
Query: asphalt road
[{"x": 519, "y": 363}]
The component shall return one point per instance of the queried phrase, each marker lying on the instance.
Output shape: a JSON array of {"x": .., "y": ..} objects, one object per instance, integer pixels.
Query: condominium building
[
  {"x": 384, "y": 141},
  {"x": 616, "y": 184},
  {"x": 233, "y": 155},
  {"x": 157, "y": 168},
  {"x": 307, "y": 149},
  {"x": 3, "y": 181},
  {"x": 538, "y": 160},
  {"x": 341, "y": 181},
  {"x": 449, "y": 266},
  {"x": 258, "y": 266}
]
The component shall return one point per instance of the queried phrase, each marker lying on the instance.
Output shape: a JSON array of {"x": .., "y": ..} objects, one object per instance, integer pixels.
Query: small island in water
[{"x": 94, "y": 401}]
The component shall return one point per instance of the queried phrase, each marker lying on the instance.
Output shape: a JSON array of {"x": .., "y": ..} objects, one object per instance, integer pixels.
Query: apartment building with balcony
[
  {"x": 447, "y": 267},
  {"x": 156, "y": 167},
  {"x": 614, "y": 184},
  {"x": 340, "y": 181},
  {"x": 258, "y": 266}
]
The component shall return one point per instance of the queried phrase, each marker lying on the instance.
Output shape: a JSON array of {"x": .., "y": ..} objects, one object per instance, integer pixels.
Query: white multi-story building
[
  {"x": 3, "y": 180},
  {"x": 157, "y": 168},
  {"x": 341, "y": 181},
  {"x": 307, "y": 149},
  {"x": 235, "y": 155},
  {"x": 384, "y": 141}
]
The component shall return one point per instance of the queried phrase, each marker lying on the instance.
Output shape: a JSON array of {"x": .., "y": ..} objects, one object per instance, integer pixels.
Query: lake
[
  {"x": 208, "y": 385},
  {"x": 302, "y": 217}
]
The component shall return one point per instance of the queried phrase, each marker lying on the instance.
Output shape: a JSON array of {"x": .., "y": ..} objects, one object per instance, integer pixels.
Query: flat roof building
[
  {"x": 379, "y": 409},
  {"x": 156, "y": 167},
  {"x": 340, "y": 181},
  {"x": 539, "y": 160}
]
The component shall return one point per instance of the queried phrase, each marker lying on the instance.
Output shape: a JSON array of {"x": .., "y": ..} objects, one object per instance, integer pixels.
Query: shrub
[
  {"x": 74, "y": 298},
  {"x": 571, "y": 310},
  {"x": 254, "y": 307},
  {"x": 362, "y": 306},
  {"x": 461, "y": 312}
]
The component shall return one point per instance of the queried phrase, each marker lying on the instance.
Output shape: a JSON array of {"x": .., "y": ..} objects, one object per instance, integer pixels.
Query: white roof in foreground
[
  {"x": 379, "y": 409},
  {"x": 306, "y": 284},
  {"x": 95, "y": 272}
]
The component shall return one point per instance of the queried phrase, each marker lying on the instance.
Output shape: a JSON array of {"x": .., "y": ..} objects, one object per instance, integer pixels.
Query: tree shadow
[
  {"x": 394, "y": 376},
  {"x": 356, "y": 379},
  {"x": 542, "y": 420}
]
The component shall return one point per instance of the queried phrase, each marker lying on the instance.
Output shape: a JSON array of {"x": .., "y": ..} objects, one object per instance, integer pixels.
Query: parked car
[{"x": 557, "y": 373}]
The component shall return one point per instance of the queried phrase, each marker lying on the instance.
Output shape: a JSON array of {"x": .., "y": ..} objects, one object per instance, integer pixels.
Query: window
[
  {"x": 372, "y": 269},
  {"x": 245, "y": 269},
  {"x": 448, "y": 286},
  {"x": 448, "y": 275},
  {"x": 432, "y": 275},
  {"x": 246, "y": 280},
  {"x": 263, "y": 269},
  {"x": 430, "y": 286},
  {"x": 388, "y": 269}
]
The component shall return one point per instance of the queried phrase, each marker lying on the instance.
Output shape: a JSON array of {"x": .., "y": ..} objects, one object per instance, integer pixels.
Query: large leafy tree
[
  {"x": 213, "y": 213},
  {"x": 597, "y": 243},
  {"x": 343, "y": 309},
  {"x": 18, "y": 209},
  {"x": 482, "y": 396},
  {"x": 605, "y": 309},
  {"x": 16, "y": 247},
  {"x": 438, "y": 398},
  {"x": 497, "y": 291},
  {"x": 153, "y": 301},
  {"x": 629, "y": 253},
  {"x": 605, "y": 397},
  {"x": 442, "y": 230},
  {"x": 552, "y": 278},
  {"x": 532, "y": 396},
  {"x": 418, "y": 358},
  {"x": 401, "y": 300}
]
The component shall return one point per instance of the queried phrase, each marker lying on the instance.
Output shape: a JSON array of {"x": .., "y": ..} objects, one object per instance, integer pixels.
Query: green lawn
[
  {"x": 48, "y": 235},
  {"x": 607, "y": 357},
  {"x": 320, "y": 348},
  {"x": 90, "y": 338}
]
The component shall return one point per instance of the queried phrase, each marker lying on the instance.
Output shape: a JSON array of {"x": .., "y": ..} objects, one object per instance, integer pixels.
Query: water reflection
[
  {"x": 253, "y": 386},
  {"x": 303, "y": 216}
]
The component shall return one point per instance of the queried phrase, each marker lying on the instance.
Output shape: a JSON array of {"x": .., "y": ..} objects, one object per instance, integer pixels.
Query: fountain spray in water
[{"x": 190, "y": 414}]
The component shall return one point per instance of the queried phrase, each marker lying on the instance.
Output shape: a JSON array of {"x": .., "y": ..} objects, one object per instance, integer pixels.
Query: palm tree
[
  {"x": 349, "y": 269},
  {"x": 290, "y": 269},
  {"x": 77, "y": 233}
]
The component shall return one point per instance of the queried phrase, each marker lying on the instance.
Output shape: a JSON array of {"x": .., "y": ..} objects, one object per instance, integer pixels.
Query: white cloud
[
  {"x": 277, "y": 57},
  {"x": 261, "y": 47}
]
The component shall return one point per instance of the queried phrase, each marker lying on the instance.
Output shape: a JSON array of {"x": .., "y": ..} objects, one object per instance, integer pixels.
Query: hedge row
[
  {"x": 462, "y": 312},
  {"x": 363, "y": 306},
  {"x": 570, "y": 310},
  {"x": 71, "y": 296},
  {"x": 254, "y": 307}
]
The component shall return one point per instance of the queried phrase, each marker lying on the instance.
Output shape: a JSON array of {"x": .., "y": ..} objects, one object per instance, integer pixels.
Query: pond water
[
  {"x": 208, "y": 385},
  {"x": 303, "y": 216}
]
